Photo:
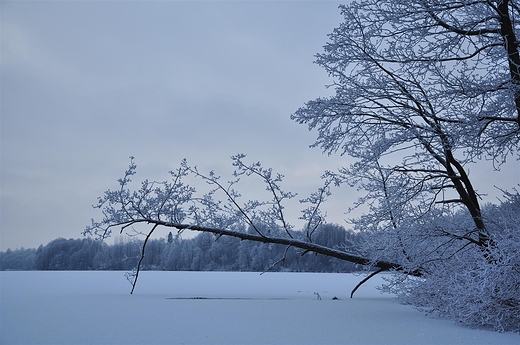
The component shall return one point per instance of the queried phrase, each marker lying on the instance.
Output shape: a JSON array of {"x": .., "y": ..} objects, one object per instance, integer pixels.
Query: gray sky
[{"x": 86, "y": 84}]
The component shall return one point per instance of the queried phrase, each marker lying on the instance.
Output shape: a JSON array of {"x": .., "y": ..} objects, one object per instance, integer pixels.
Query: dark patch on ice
[{"x": 233, "y": 298}]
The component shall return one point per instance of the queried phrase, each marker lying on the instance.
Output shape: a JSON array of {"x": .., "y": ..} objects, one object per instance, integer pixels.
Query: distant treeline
[{"x": 202, "y": 253}]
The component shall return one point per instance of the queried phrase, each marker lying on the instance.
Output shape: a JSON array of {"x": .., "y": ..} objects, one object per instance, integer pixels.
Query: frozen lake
[{"x": 215, "y": 308}]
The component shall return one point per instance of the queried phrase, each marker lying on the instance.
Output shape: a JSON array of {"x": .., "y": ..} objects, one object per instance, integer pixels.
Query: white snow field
[{"x": 215, "y": 308}]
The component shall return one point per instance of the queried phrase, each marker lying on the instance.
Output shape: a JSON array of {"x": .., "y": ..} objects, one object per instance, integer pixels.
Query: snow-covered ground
[{"x": 215, "y": 308}]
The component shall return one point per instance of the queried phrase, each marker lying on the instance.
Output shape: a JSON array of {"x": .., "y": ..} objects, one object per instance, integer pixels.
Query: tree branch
[
  {"x": 365, "y": 280},
  {"x": 311, "y": 247}
]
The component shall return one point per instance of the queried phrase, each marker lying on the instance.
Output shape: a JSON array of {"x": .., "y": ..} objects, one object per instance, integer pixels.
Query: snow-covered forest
[{"x": 202, "y": 253}]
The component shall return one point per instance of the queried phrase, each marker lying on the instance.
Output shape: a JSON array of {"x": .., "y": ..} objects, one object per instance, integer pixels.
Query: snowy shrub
[{"x": 473, "y": 287}]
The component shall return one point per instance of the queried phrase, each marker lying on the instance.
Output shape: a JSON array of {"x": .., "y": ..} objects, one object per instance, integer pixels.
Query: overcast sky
[{"x": 86, "y": 84}]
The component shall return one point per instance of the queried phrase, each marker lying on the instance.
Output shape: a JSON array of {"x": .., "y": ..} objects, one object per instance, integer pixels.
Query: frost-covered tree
[
  {"x": 220, "y": 210},
  {"x": 423, "y": 89}
]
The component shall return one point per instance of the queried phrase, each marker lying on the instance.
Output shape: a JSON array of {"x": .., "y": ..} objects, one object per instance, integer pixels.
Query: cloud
[{"x": 87, "y": 84}]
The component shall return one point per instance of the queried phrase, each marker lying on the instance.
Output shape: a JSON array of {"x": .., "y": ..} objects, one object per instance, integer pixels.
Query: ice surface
[{"x": 214, "y": 308}]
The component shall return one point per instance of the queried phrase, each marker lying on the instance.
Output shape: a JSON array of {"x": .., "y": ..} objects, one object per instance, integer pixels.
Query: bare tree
[{"x": 423, "y": 89}]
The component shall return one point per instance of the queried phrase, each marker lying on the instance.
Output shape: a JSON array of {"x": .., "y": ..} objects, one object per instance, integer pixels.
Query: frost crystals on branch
[
  {"x": 176, "y": 205},
  {"x": 424, "y": 89}
]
